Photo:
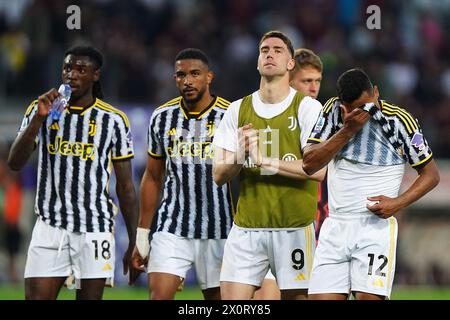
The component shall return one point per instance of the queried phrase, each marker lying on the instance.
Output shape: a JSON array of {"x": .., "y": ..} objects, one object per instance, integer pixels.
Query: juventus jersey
[
  {"x": 74, "y": 165},
  {"x": 193, "y": 206},
  {"x": 373, "y": 161},
  {"x": 392, "y": 136}
]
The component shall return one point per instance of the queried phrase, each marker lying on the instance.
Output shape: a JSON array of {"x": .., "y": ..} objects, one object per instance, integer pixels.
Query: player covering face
[{"x": 366, "y": 142}]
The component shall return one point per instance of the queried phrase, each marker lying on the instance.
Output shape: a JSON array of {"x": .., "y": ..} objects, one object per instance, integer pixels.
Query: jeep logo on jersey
[
  {"x": 417, "y": 141},
  {"x": 198, "y": 149},
  {"x": 289, "y": 157},
  {"x": 76, "y": 149}
]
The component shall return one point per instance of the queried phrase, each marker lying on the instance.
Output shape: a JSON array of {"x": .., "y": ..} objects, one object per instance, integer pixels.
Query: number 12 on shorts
[
  {"x": 383, "y": 264},
  {"x": 377, "y": 278}
]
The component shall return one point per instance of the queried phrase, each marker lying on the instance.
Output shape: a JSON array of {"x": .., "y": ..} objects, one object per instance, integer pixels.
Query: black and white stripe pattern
[
  {"x": 74, "y": 167},
  {"x": 400, "y": 140},
  {"x": 193, "y": 206}
]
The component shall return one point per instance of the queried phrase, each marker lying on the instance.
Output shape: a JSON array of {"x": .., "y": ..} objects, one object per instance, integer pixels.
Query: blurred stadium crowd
[{"x": 408, "y": 57}]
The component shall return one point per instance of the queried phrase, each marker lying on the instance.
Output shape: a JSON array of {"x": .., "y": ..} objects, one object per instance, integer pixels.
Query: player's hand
[
  {"x": 384, "y": 207},
  {"x": 138, "y": 262},
  {"x": 243, "y": 142},
  {"x": 129, "y": 266},
  {"x": 45, "y": 102},
  {"x": 354, "y": 119},
  {"x": 253, "y": 146}
]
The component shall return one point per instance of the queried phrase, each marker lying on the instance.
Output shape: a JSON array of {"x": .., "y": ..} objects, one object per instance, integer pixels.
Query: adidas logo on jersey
[{"x": 54, "y": 126}]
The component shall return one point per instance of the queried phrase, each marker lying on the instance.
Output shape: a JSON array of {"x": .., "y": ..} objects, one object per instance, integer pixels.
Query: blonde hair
[{"x": 305, "y": 57}]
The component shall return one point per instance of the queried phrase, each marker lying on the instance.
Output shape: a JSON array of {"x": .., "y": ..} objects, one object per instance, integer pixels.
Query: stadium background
[{"x": 408, "y": 58}]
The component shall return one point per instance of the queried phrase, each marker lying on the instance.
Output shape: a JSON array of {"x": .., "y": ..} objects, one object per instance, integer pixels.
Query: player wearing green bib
[
  {"x": 273, "y": 194},
  {"x": 306, "y": 78},
  {"x": 260, "y": 139}
]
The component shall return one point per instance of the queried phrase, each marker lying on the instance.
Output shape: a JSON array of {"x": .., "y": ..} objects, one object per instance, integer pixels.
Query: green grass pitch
[{"x": 194, "y": 293}]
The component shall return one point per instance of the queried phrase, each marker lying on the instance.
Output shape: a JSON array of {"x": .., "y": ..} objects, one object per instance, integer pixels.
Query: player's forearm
[
  {"x": 227, "y": 165},
  {"x": 150, "y": 195},
  {"x": 427, "y": 179},
  {"x": 24, "y": 144},
  {"x": 223, "y": 173},
  {"x": 128, "y": 205},
  {"x": 290, "y": 169},
  {"x": 317, "y": 156}
]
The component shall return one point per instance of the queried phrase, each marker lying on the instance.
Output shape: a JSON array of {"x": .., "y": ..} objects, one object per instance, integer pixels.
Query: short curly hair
[{"x": 352, "y": 83}]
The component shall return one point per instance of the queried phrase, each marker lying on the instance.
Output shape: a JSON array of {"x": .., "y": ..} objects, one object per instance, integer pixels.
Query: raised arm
[
  {"x": 317, "y": 156},
  {"x": 291, "y": 169},
  {"x": 24, "y": 144},
  {"x": 226, "y": 165}
]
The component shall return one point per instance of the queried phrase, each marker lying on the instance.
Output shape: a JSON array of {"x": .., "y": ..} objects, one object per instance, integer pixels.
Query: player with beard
[{"x": 194, "y": 216}]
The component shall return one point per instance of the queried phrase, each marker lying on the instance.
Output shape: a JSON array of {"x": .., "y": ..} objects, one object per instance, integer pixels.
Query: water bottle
[{"x": 61, "y": 102}]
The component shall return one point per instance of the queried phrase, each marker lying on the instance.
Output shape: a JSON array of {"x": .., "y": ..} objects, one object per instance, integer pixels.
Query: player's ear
[
  {"x": 96, "y": 75},
  {"x": 376, "y": 93},
  {"x": 291, "y": 64},
  {"x": 210, "y": 76}
]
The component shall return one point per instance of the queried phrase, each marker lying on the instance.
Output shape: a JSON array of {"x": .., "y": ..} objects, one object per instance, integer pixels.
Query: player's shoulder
[
  {"x": 234, "y": 107},
  {"x": 331, "y": 104},
  {"x": 221, "y": 104},
  {"x": 168, "y": 104},
  {"x": 31, "y": 107},
  {"x": 310, "y": 103},
  {"x": 235, "y": 104},
  {"x": 401, "y": 115},
  {"x": 113, "y": 111},
  {"x": 167, "y": 107}
]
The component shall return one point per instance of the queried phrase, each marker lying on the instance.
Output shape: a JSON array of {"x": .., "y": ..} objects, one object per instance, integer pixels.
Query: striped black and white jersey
[
  {"x": 75, "y": 164},
  {"x": 193, "y": 206},
  {"x": 373, "y": 162},
  {"x": 391, "y": 136}
]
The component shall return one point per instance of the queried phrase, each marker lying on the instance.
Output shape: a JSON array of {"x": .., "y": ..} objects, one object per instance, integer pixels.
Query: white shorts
[
  {"x": 270, "y": 276},
  {"x": 355, "y": 254},
  {"x": 56, "y": 252},
  {"x": 176, "y": 255},
  {"x": 289, "y": 254}
]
